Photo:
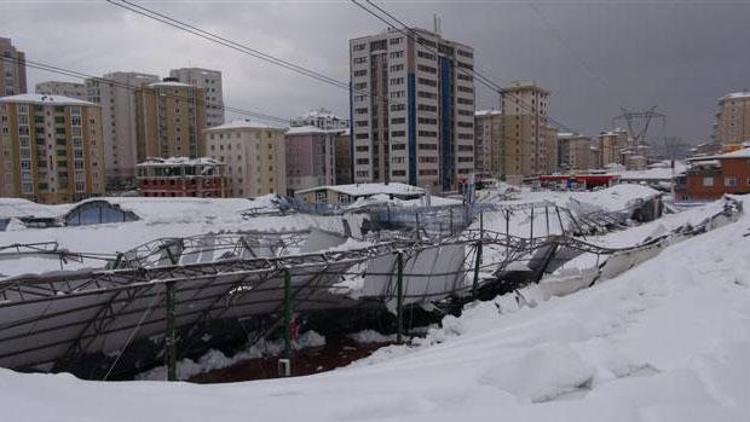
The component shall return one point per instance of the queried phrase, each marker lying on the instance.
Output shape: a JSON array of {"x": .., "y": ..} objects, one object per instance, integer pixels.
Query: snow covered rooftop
[
  {"x": 656, "y": 173},
  {"x": 179, "y": 161},
  {"x": 18, "y": 208},
  {"x": 170, "y": 83},
  {"x": 305, "y": 130},
  {"x": 45, "y": 99},
  {"x": 740, "y": 153},
  {"x": 244, "y": 124},
  {"x": 368, "y": 189},
  {"x": 488, "y": 113},
  {"x": 735, "y": 95},
  {"x": 321, "y": 112}
]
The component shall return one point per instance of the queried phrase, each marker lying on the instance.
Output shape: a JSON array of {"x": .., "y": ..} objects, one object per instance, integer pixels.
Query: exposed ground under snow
[{"x": 666, "y": 341}]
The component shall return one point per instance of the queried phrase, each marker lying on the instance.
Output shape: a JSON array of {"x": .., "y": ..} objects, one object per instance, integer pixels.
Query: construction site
[{"x": 238, "y": 280}]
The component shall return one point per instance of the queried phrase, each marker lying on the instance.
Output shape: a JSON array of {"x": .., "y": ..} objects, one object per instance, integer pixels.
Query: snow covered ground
[
  {"x": 159, "y": 218},
  {"x": 666, "y": 341}
]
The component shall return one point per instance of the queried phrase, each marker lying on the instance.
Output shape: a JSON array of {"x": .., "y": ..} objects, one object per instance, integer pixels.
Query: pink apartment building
[{"x": 310, "y": 158}]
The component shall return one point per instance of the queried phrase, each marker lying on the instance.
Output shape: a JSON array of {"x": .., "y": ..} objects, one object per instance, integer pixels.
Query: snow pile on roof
[
  {"x": 493, "y": 112},
  {"x": 305, "y": 130},
  {"x": 244, "y": 124},
  {"x": 369, "y": 189},
  {"x": 658, "y": 173},
  {"x": 668, "y": 340},
  {"x": 18, "y": 207},
  {"x": 740, "y": 153},
  {"x": 735, "y": 96},
  {"x": 383, "y": 199},
  {"x": 179, "y": 161},
  {"x": 171, "y": 84},
  {"x": 321, "y": 112},
  {"x": 45, "y": 99}
]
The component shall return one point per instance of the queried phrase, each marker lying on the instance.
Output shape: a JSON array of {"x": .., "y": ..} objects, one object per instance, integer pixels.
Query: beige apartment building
[
  {"x": 170, "y": 120},
  {"x": 551, "y": 150},
  {"x": 253, "y": 154},
  {"x": 412, "y": 109},
  {"x": 115, "y": 92},
  {"x": 611, "y": 145},
  {"x": 210, "y": 81},
  {"x": 12, "y": 69},
  {"x": 733, "y": 119},
  {"x": 574, "y": 152},
  {"x": 51, "y": 148},
  {"x": 525, "y": 106},
  {"x": 66, "y": 89},
  {"x": 489, "y": 148}
]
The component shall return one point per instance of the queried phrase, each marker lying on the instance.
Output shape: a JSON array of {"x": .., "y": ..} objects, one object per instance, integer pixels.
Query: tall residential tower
[
  {"x": 210, "y": 81},
  {"x": 170, "y": 120},
  {"x": 525, "y": 105},
  {"x": 51, "y": 148},
  {"x": 115, "y": 92},
  {"x": 12, "y": 69},
  {"x": 412, "y": 101}
]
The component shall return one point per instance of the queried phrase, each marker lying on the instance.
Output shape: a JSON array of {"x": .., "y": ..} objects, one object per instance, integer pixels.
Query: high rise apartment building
[
  {"x": 733, "y": 119},
  {"x": 170, "y": 119},
  {"x": 253, "y": 154},
  {"x": 66, "y": 89},
  {"x": 210, "y": 82},
  {"x": 116, "y": 93},
  {"x": 525, "y": 106},
  {"x": 412, "y": 104},
  {"x": 51, "y": 148},
  {"x": 488, "y": 143},
  {"x": 12, "y": 69}
]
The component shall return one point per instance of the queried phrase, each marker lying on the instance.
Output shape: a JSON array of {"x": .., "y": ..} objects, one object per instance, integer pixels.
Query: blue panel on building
[{"x": 447, "y": 159}]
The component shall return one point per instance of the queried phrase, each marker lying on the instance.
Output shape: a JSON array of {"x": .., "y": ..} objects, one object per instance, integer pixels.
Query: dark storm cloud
[{"x": 679, "y": 55}]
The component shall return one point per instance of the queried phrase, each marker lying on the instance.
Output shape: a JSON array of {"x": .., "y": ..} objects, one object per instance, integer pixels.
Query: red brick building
[
  {"x": 181, "y": 177},
  {"x": 710, "y": 177}
]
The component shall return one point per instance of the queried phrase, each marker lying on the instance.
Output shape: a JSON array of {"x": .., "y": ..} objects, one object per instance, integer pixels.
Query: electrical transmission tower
[{"x": 638, "y": 122}]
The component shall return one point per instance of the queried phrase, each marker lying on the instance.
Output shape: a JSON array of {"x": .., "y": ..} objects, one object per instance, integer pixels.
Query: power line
[
  {"x": 410, "y": 33},
  {"x": 584, "y": 64},
  {"x": 234, "y": 45},
  {"x": 83, "y": 76}
]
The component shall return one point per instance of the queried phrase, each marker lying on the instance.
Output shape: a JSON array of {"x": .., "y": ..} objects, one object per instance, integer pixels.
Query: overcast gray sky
[{"x": 594, "y": 56}]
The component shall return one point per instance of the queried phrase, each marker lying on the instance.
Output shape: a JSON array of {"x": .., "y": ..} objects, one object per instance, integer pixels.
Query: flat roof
[
  {"x": 362, "y": 189},
  {"x": 45, "y": 99},
  {"x": 244, "y": 124}
]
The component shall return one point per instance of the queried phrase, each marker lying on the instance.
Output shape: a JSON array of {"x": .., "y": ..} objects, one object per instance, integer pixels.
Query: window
[
  {"x": 396, "y": 54},
  {"x": 730, "y": 182},
  {"x": 708, "y": 181}
]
